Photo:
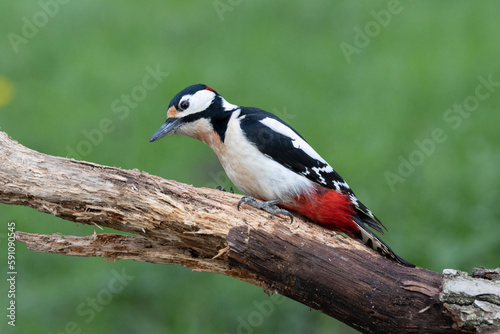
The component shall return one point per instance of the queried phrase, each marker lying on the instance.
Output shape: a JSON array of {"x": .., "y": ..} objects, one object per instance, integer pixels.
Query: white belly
[{"x": 255, "y": 174}]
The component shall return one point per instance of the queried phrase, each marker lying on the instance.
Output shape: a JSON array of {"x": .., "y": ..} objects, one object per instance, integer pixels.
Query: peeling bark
[
  {"x": 473, "y": 301},
  {"x": 199, "y": 228}
]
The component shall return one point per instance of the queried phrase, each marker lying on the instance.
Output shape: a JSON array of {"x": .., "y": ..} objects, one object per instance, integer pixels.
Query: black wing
[{"x": 280, "y": 142}]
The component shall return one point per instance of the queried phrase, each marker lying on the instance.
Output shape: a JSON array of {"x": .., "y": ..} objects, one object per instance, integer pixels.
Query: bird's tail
[{"x": 370, "y": 239}]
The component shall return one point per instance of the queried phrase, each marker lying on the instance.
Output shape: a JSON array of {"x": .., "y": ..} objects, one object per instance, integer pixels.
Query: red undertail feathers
[
  {"x": 328, "y": 208},
  {"x": 335, "y": 211}
]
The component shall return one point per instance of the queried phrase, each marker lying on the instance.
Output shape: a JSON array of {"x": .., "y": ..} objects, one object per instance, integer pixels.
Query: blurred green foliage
[{"x": 64, "y": 68}]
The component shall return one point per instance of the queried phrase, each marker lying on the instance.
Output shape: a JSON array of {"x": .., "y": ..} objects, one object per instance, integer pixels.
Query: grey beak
[{"x": 166, "y": 129}]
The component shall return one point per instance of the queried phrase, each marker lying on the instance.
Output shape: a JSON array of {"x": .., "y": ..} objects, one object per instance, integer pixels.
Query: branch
[{"x": 201, "y": 229}]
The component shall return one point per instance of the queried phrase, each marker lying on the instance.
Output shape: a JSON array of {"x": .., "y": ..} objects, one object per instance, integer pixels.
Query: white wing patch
[
  {"x": 254, "y": 174},
  {"x": 297, "y": 142}
]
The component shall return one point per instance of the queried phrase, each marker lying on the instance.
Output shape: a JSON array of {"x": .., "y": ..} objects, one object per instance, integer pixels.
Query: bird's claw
[
  {"x": 269, "y": 206},
  {"x": 221, "y": 188}
]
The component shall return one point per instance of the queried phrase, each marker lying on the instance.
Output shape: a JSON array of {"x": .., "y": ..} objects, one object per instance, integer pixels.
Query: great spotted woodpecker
[{"x": 268, "y": 160}]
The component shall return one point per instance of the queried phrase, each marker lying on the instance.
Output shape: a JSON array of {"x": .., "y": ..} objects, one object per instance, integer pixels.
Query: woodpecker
[{"x": 269, "y": 161}]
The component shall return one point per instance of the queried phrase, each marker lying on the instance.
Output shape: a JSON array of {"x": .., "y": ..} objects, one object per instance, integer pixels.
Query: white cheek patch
[
  {"x": 200, "y": 101},
  {"x": 297, "y": 141}
]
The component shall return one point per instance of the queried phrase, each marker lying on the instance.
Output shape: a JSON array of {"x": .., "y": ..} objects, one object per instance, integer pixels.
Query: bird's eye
[{"x": 184, "y": 105}]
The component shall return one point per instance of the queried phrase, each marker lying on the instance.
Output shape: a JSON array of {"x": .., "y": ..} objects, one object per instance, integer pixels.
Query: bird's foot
[
  {"x": 269, "y": 206},
  {"x": 221, "y": 188}
]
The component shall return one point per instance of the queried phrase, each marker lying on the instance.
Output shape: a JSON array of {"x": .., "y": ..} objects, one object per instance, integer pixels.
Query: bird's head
[{"x": 190, "y": 112}]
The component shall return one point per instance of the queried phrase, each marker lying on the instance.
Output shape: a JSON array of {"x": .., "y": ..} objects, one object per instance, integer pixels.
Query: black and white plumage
[{"x": 268, "y": 160}]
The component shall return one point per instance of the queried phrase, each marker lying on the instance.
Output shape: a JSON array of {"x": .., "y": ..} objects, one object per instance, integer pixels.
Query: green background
[{"x": 364, "y": 113}]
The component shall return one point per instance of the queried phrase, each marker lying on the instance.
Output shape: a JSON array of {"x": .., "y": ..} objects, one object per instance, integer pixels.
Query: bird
[{"x": 272, "y": 164}]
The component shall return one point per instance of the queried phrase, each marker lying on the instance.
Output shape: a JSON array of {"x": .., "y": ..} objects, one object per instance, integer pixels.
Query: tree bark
[{"x": 201, "y": 229}]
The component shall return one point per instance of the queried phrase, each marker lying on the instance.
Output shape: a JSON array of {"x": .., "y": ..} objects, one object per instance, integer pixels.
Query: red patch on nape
[
  {"x": 328, "y": 208},
  {"x": 210, "y": 89}
]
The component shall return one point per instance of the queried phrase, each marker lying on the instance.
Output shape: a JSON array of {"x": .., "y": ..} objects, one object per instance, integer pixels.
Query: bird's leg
[
  {"x": 269, "y": 206},
  {"x": 221, "y": 188}
]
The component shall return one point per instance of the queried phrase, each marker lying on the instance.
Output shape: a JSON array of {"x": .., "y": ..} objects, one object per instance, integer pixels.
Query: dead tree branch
[{"x": 201, "y": 229}]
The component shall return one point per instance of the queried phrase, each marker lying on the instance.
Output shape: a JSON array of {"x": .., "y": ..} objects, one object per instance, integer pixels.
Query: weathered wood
[
  {"x": 201, "y": 229},
  {"x": 373, "y": 297},
  {"x": 473, "y": 301}
]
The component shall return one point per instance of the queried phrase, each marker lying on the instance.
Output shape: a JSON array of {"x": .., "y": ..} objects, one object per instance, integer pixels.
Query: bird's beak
[{"x": 166, "y": 129}]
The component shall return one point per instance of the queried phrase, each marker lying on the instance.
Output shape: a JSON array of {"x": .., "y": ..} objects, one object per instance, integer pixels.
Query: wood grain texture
[{"x": 201, "y": 229}]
